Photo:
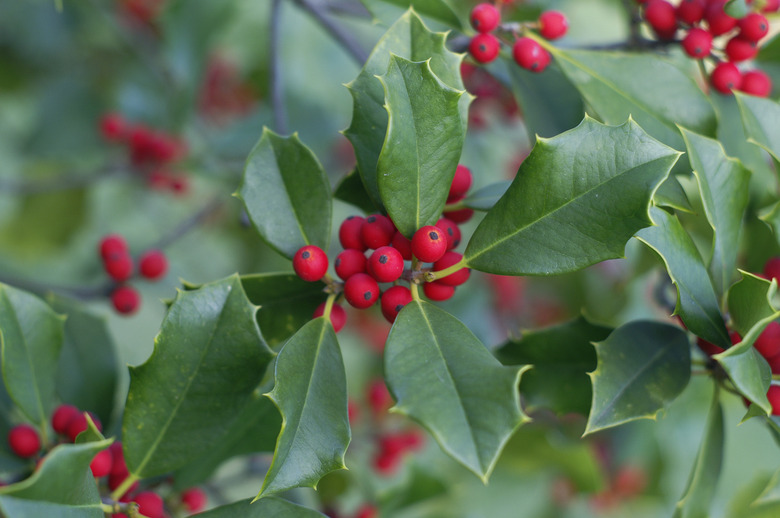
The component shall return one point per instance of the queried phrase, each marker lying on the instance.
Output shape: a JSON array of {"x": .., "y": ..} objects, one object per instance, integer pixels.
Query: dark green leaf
[
  {"x": 671, "y": 194},
  {"x": 759, "y": 117},
  {"x": 31, "y": 336},
  {"x": 388, "y": 10},
  {"x": 443, "y": 376},
  {"x": 310, "y": 391},
  {"x": 265, "y": 508},
  {"x": 486, "y": 197},
  {"x": 642, "y": 367},
  {"x": 562, "y": 356},
  {"x": 208, "y": 359},
  {"x": 575, "y": 201},
  {"x": 351, "y": 190},
  {"x": 424, "y": 139},
  {"x": 697, "y": 303},
  {"x": 287, "y": 194}
]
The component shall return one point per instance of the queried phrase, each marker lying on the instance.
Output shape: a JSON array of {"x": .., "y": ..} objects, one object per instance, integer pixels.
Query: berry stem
[
  {"x": 124, "y": 486},
  {"x": 329, "y": 305},
  {"x": 431, "y": 276},
  {"x": 455, "y": 206}
]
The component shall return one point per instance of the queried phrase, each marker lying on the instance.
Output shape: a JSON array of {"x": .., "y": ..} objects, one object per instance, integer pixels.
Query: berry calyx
[
  {"x": 349, "y": 233},
  {"x": 429, "y": 244},
  {"x": 310, "y": 263},
  {"x": 484, "y": 47},
  {"x": 726, "y": 77},
  {"x": 438, "y": 291},
  {"x": 361, "y": 290},
  {"x": 113, "y": 245},
  {"x": 101, "y": 463},
  {"x": 153, "y": 264},
  {"x": 553, "y": 25},
  {"x": 386, "y": 264},
  {"x": 753, "y": 27},
  {"x": 530, "y": 55},
  {"x": 461, "y": 183},
  {"x": 119, "y": 267},
  {"x": 338, "y": 317},
  {"x": 485, "y": 17},
  {"x": 453, "y": 279},
  {"x": 150, "y": 504},
  {"x": 758, "y": 83},
  {"x": 24, "y": 441},
  {"x": 61, "y": 416},
  {"x": 697, "y": 43},
  {"x": 349, "y": 262},
  {"x": 194, "y": 499},
  {"x": 739, "y": 49},
  {"x": 377, "y": 231},
  {"x": 393, "y": 300},
  {"x": 125, "y": 300}
]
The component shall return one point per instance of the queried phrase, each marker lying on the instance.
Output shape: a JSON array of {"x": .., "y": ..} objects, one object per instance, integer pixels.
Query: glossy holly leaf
[
  {"x": 208, "y": 359},
  {"x": 697, "y": 303},
  {"x": 723, "y": 184},
  {"x": 652, "y": 90},
  {"x": 424, "y": 140},
  {"x": 672, "y": 195},
  {"x": 408, "y": 38},
  {"x": 442, "y": 376},
  {"x": 486, "y": 197},
  {"x": 31, "y": 336},
  {"x": 570, "y": 207},
  {"x": 351, "y": 190},
  {"x": 310, "y": 390},
  {"x": 697, "y": 499},
  {"x": 642, "y": 367},
  {"x": 750, "y": 306},
  {"x": 286, "y": 194},
  {"x": 771, "y": 216},
  {"x": 388, "y": 10},
  {"x": 89, "y": 367},
  {"x": 62, "y": 486},
  {"x": 271, "y": 506},
  {"x": 561, "y": 356},
  {"x": 759, "y": 117}
]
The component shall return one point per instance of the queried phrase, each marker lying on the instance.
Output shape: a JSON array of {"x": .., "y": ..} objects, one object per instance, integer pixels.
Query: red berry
[
  {"x": 153, "y": 264},
  {"x": 454, "y": 279},
  {"x": 697, "y": 43},
  {"x": 113, "y": 245},
  {"x": 386, "y": 264},
  {"x": 452, "y": 232},
  {"x": 708, "y": 348},
  {"x": 377, "y": 231},
  {"x": 113, "y": 127},
  {"x": 438, "y": 291},
  {"x": 24, "y": 440},
  {"x": 338, "y": 317},
  {"x": 361, "y": 290},
  {"x": 101, "y": 464},
  {"x": 367, "y": 511},
  {"x": 393, "y": 300},
  {"x": 403, "y": 245},
  {"x": 349, "y": 262},
  {"x": 774, "y": 398},
  {"x": 485, "y": 17},
  {"x": 768, "y": 342},
  {"x": 753, "y": 27},
  {"x": 459, "y": 216},
  {"x": 194, "y": 499},
  {"x": 429, "y": 244},
  {"x": 76, "y": 425},
  {"x": 118, "y": 466},
  {"x": 349, "y": 233},
  {"x": 150, "y": 504},
  {"x": 386, "y": 463},
  {"x": 726, "y": 77},
  {"x": 119, "y": 267},
  {"x": 310, "y": 263},
  {"x": 114, "y": 481},
  {"x": 771, "y": 6},
  {"x": 461, "y": 183},
  {"x": 125, "y": 299},
  {"x": 553, "y": 25},
  {"x": 61, "y": 416},
  {"x": 756, "y": 82},
  {"x": 484, "y": 47},
  {"x": 530, "y": 55},
  {"x": 379, "y": 398},
  {"x": 691, "y": 11},
  {"x": 774, "y": 364},
  {"x": 661, "y": 16},
  {"x": 718, "y": 21},
  {"x": 739, "y": 49}
]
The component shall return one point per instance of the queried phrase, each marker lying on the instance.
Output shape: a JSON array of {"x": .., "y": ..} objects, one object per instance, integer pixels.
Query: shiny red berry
[
  {"x": 461, "y": 183},
  {"x": 485, "y": 17},
  {"x": 349, "y": 233},
  {"x": 553, "y": 25},
  {"x": 61, "y": 416},
  {"x": 338, "y": 317},
  {"x": 756, "y": 82},
  {"x": 454, "y": 279},
  {"x": 377, "y": 230},
  {"x": 768, "y": 342},
  {"x": 726, "y": 77},
  {"x": 459, "y": 216},
  {"x": 386, "y": 264},
  {"x": 125, "y": 300},
  {"x": 739, "y": 49},
  {"x": 774, "y": 398},
  {"x": 150, "y": 504},
  {"x": 361, "y": 290},
  {"x": 771, "y": 6},
  {"x": 403, "y": 245},
  {"x": 697, "y": 43},
  {"x": 438, "y": 291},
  {"x": 753, "y": 27},
  {"x": 310, "y": 263},
  {"x": 717, "y": 20},
  {"x": 153, "y": 264},
  {"x": 530, "y": 55},
  {"x": 24, "y": 440},
  {"x": 349, "y": 262},
  {"x": 393, "y": 300},
  {"x": 113, "y": 245},
  {"x": 101, "y": 463},
  {"x": 452, "y": 232},
  {"x": 691, "y": 12},
  {"x": 194, "y": 499},
  {"x": 661, "y": 16},
  {"x": 484, "y": 47},
  {"x": 429, "y": 244}
]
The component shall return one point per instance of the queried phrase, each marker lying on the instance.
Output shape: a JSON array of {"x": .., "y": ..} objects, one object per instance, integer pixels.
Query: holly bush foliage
[{"x": 647, "y": 205}]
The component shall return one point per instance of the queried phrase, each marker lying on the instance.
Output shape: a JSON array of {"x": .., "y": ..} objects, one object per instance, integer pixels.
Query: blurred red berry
[
  {"x": 485, "y": 17},
  {"x": 338, "y": 317},
  {"x": 125, "y": 300},
  {"x": 24, "y": 440},
  {"x": 153, "y": 264},
  {"x": 484, "y": 47},
  {"x": 553, "y": 25},
  {"x": 758, "y": 83},
  {"x": 194, "y": 499},
  {"x": 61, "y": 416}
]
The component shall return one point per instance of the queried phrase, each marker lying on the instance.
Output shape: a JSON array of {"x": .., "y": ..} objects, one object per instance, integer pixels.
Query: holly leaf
[
  {"x": 737, "y": 8},
  {"x": 31, "y": 337},
  {"x": 697, "y": 303},
  {"x": 771, "y": 493},
  {"x": 723, "y": 184},
  {"x": 351, "y": 190},
  {"x": 310, "y": 391},
  {"x": 286, "y": 194},
  {"x": 271, "y": 506},
  {"x": 570, "y": 207},
  {"x": 697, "y": 498},
  {"x": 771, "y": 216},
  {"x": 442, "y": 376},
  {"x": 642, "y": 367},
  {"x": 208, "y": 358},
  {"x": 425, "y": 134},
  {"x": 759, "y": 117},
  {"x": 671, "y": 194},
  {"x": 486, "y": 197},
  {"x": 408, "y": 38},
  {"x": 562, "y": 357}
]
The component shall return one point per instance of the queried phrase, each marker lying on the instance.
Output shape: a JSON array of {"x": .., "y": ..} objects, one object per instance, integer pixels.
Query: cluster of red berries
[
  {"x": 490, "y": 96},
  {"x": 152, "y": 152},
  {"x": 224, "y": 95},
  {"x": 119, "y": 265},
  {"x": 703, "y": 21},
  {"x": 527, "y": 52},
  {"x": 362, "y": 275}
]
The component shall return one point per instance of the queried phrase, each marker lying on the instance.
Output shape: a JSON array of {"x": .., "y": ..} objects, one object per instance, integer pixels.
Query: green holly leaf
[
  {"x": 671, "y": 194},
  {"x": 442, "y": 376},
  {"x": 642, "y": 367},
  {"x": 771, "y": 216},
  {"x": 351, "y": 190},
  {"x": 561, "y": 356},
  {"x": 310, "y": 390},
  {"x": 286, "y": 194},
  {"x": 486, "y": 197},
  {"x": 424, "y": 139},
  {"x": 208, "y": 359},
  {"x": 270, "y": 506},
  {"x": 759, "y": 117},
  {"x": 569, "y": 207},
  {"x": 388, "y": 10},
  {"x": 702, "y": 484},
  {"x": 737, "y": 8},
  {"x": 408, "y": 38},
  {"x": 62, "y": 486},
  {"x": 31, "y": 338},
  {"x": 723, "y": 184},
  {"x": 771, "y": 493},
  {"x": 697, "y": 303}
]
